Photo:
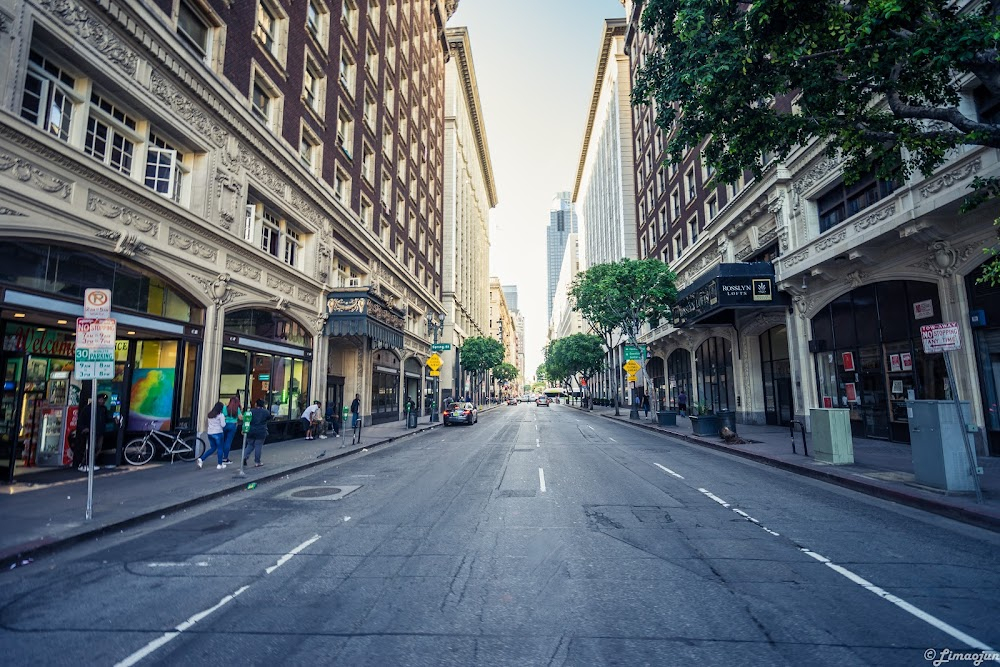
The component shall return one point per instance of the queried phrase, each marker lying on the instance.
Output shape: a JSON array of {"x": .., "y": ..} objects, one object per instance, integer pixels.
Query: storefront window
[
  {"x": 777, "y": 376},
  {"x": 871, "y": 359},
  {"x": 151, "y": 398},
  {"x": 713, "y": 362},
  {"x": 68, "y": 272},
  {"x": 268, "y": 325},
  {"x": 679, "y": 377}
]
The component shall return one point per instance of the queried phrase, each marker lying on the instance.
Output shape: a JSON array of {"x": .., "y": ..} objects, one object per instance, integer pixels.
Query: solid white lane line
[
  {"x": 287, "y": 557},
  {"x": 198, "y": 564},
  {"x": 902, "y": 604},
  {"x": 541, "y": 479},
  {"x": 714, "y": 497},
  {"x": 612, "y": 439},
  {"x": 668, "y": 471},
  {"x": 589, "y": 426},
  {"x": 168, "y": 636}
]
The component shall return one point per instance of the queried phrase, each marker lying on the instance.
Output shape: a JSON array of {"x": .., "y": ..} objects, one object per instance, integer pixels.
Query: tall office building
[{"x": 562, "y": 223}]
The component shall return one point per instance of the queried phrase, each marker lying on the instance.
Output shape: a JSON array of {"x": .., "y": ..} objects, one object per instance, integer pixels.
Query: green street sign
[
  {"x": 93, "y": 354},
  {"x": 636, "y": 353},
  {"x": 440, "y": 347}
]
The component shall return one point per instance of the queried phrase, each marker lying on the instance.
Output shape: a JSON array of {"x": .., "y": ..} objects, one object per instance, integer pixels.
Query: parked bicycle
[{"x": 141, "y": 450}]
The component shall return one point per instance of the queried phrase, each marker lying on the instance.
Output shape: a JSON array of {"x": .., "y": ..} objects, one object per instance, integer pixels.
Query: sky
[{"x": 535, "y": 63}]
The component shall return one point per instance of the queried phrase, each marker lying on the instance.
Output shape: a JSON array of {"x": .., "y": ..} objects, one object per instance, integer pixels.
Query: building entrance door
[
  {"x": 334, "y": 396},
  {"x": 874, "y": 399}
]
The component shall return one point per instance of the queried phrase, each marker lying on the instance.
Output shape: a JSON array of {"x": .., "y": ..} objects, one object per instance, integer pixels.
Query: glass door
[
  {"x": 873, "y": 393},
  {"x": 9, "y": 417}
]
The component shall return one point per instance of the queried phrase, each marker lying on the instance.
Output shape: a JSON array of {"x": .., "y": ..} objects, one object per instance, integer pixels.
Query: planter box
[
  {"x": 705, "y": 425},
  {"x": 666, "y": 418}
]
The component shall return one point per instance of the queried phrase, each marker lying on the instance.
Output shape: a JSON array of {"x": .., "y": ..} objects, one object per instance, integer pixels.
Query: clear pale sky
[{"x": 535, "y": 62}]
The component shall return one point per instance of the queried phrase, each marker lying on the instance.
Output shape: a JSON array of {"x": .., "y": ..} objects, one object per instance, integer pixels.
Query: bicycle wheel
[
  {"x": 192, "y": 442},
  {"x": 139, "y": 451}
]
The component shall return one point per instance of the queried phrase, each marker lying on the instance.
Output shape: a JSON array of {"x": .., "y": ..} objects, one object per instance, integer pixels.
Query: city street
[{"x": 539, "y": 536}]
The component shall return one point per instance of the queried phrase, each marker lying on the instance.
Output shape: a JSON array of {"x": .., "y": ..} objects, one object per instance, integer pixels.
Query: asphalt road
[{"x": 540, "y": 536}]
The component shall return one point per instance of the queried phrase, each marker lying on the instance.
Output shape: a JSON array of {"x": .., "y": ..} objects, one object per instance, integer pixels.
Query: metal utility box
[
  {"x": 938, "y": 445},
  {"x": 831, "y": 435}
]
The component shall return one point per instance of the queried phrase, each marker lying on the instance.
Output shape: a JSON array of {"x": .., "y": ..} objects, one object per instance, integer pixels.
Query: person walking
[
  {"x": 256, "y": 432},
  {"x": 310, "y": 419},
  {"x": 645, "y": 405},
  {"x": 355, "y": 410},
  {"x": 233, "y": 413},
  {"x": 80, "y": 461},
  {"x": 216, "y": 425},
  {"x": 682, "y": 403}
]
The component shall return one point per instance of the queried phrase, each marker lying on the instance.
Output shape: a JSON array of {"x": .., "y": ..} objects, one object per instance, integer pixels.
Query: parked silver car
[{"x": 460, "y": 413}]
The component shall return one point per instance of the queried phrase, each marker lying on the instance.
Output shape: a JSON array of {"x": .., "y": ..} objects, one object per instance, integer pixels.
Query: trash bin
[
  {"x": 666, "y": 418},
  {"x": 727, "y": 419}
]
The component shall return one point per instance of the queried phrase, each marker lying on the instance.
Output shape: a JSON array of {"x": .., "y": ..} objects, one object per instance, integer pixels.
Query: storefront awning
[
  {"x": 364, "y": 313},
  {"x": 715, "y": 297}
]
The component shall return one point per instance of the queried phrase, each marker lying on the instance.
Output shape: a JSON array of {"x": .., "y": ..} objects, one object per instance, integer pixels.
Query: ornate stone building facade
[
  {"x": 469, "y": 195},
  {"x": 847, "y": 274},
  {"x": 232, "y": 172}
]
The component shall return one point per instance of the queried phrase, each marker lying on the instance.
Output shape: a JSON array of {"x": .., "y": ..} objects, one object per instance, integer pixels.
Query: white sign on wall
[{"x": 942, "y": 337}]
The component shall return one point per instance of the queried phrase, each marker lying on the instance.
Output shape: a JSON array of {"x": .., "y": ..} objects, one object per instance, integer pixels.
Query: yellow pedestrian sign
[
  {"x": 434, "y": 362},
  {"x": 630, "y": 378},
  {"x": 632, "y": 366},
  {"x": 435, "y": 374}
]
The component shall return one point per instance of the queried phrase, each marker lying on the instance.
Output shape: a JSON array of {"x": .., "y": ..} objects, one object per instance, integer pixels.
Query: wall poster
[{"x": 848, "y": 358}]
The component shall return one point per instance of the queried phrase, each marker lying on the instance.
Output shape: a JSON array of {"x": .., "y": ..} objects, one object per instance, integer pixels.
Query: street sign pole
[
  {"x": 91, "y": 456},
  {"x": 94, "y": 360}
]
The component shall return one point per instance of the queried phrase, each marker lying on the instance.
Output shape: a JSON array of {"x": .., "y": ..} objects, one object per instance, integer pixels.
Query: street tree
[
  {"x": 880, "y": 82},
  {"x": 504, "y": 372},
  {"x": 624, "y": 295},
  {"x": 582, "y": 356},
  {"x": 479, "y": 354}
]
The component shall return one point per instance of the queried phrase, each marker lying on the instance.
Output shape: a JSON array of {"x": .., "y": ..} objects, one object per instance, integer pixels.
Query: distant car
[
  {"x": 511, "y": 401},
  {"x": 542, "y": 402},
  {"x": 460, "y": 413},
  {"x": 526, "y": 398}
]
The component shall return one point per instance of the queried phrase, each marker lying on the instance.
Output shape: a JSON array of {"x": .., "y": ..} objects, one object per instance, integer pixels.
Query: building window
[
  {"x": 309, "y": 150},
  {"x": 47, "y": 101},
  {"x": 267, "y": 27},
  {"x": 110, "y": 135},
  {"x": 385, "y": 191},
  {"x": 342, "y": 186},
  {"x": 371, "y": 60},
  {"x": 712, "y": 208},
  {"x": 690, "y": 182},
  {"x": 366, "y": 213},
  {"x": 317, "y": 22},
  {"x": 678, "y": 244},
  {"x": 345, "y": 131},
  {"x": 349, "y": 17},
  {"x": 164, "y": 168},
  {"x": 675, "y": 204},
  {"x": 194, "y": 29},
  {"x": 347, "y": 71},
  {"x": 368, "y": 164},
  {"x": 843, "y": 201},
  {"x": 368, "y": 111},
  {"x": 278, "y": 237},
  {"x": 313, "y": 87},
  {"x": 265, "y": 100},
  {"x": 693, "y": 229}
]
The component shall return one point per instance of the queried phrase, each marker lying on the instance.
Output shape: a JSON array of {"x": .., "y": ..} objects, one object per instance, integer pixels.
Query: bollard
[{"x": 802, "y": 428}]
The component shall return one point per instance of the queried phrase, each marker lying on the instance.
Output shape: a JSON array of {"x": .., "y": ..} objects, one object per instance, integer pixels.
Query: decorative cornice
[
  {"x": 242, "y": 268},
  {"x": 127, "y": 245},
  {"x": 186, "y": 109},
  {"x": 93, "y": 32},
  {"x": 192, "y": 245},
  {"x": 38, "y": 178},
  {"x": 950, "y": 178},
  {"x": 218, "y": 289},
  {"x": 126, "y": 216},
  {"x": 281, "y": 285},
  {"x": 874, "y": 218}
]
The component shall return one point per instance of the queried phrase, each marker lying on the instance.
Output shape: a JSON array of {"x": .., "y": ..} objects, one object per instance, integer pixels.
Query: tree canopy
[
  {"x": 504, "y": 372},
  {"x": 624, "y": 294},
  {"x": 481, "y": 353},
  {"x": 578, "y": 354},
  {"x": 879, "y": 80}
]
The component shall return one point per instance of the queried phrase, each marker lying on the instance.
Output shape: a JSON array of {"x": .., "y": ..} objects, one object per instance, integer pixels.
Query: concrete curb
[
  {"x": 15, "y": 554},
  {"x": 885, "y": 492}
]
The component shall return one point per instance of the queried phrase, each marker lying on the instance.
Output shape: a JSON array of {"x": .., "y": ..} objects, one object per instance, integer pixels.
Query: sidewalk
[
  {"x": 882, "y": 469},
  {"x": 48, "y": 510}
]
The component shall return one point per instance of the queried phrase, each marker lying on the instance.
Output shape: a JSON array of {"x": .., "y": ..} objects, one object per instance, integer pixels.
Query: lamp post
[{"x": 435, "y": 327}]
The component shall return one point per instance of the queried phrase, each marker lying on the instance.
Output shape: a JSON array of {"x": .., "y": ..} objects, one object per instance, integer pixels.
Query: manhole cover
[{"x": 318, "y": 492}]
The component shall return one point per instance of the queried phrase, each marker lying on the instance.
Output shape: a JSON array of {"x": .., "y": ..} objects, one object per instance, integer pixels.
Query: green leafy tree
[
  {"x": 879, "y": 81},
  {"x": 479, "y": 354},
  {"x": 623, "y": 296},
  {"x": 504, "y": 373},
  {"x": 581, "y": 356}
]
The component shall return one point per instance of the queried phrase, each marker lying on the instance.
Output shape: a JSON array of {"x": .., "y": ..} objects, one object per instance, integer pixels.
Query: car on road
[
  {"x": 511, "y": 401},
  {"x": 542, "y": 402},
  {"x": 460, "y": 413}
]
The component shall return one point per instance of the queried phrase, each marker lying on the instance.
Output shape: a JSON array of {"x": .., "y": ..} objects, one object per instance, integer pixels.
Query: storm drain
[{"x": 318, "y": 492}]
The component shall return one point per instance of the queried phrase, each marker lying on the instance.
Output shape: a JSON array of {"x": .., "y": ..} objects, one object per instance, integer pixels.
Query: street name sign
[
  {"x": 440, "y": 347},
  {"x": 942, "y": 337},
  {"x": 634, "y": 353}
]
